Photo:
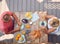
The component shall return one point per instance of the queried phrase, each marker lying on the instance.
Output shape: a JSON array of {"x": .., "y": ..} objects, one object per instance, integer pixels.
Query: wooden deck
[{"x": 20, "y": 15}]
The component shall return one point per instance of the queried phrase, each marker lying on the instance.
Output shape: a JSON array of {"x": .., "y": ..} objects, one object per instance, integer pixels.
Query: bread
[
  {"x": 42, "y": 15},
  {"x": 35, "y": 34}
]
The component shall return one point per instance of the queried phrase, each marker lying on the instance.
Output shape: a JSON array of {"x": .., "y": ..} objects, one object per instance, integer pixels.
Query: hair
[
  {"x": 54, "y": 22},
  {"x": 6, "y": 18}
]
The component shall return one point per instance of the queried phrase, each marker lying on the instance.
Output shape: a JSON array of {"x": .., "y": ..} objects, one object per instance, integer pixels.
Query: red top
[{"x": 6, "y": 26}]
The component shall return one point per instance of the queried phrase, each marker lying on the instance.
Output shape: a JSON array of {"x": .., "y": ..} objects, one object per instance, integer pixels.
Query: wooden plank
[
  {"x": 24, "y": 6},
  {"x": 28, "y": 3},
  {"x": 58, "y": 13},
  {"x": 20, "y": 5},
  {"x": 37, "y": 6},
  {"x": 15, "y": 5},
  {"x": 11, "y": 5},
  {"x": 32, "y": 5}
]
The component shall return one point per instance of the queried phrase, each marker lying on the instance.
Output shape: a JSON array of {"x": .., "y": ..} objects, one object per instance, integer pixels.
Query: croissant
[{"x": 35, "y": 34}]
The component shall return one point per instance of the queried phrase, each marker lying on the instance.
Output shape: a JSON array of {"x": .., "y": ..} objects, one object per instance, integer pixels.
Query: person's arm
[
  {"x": 16, "y": 18},
  {"x": 18, "y": 22},
  {"x": 49, "y": 16},
  {"x": 49, "y": 31},
  {"x": 15, "y": 30}
]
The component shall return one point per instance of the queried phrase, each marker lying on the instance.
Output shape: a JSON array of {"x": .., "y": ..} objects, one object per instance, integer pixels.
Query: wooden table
[{"x": 44, "y": 38}]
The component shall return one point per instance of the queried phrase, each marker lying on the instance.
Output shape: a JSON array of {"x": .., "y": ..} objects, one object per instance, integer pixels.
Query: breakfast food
[
  {"x": 35, "y": 34},
  {"x": 25, "y": 21},
  {"x": 22, "y": 39},
  {"x": 27, "y": 26},
  {"x": 42, "y": 15},
  {"x": 18, "y": 36},
  {"x": 28, "y": 15}
]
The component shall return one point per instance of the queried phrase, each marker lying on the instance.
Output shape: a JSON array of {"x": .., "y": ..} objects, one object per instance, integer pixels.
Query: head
[
  {"x": 54, "y": 22},
  {"x": 6, "y": 18}
]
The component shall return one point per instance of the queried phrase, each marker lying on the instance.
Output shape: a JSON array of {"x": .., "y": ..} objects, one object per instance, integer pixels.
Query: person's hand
[{"x": 45, "y": 31}]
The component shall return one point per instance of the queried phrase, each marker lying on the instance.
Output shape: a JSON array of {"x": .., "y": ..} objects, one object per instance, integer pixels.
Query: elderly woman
[{"x": 7, "y": 22}]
